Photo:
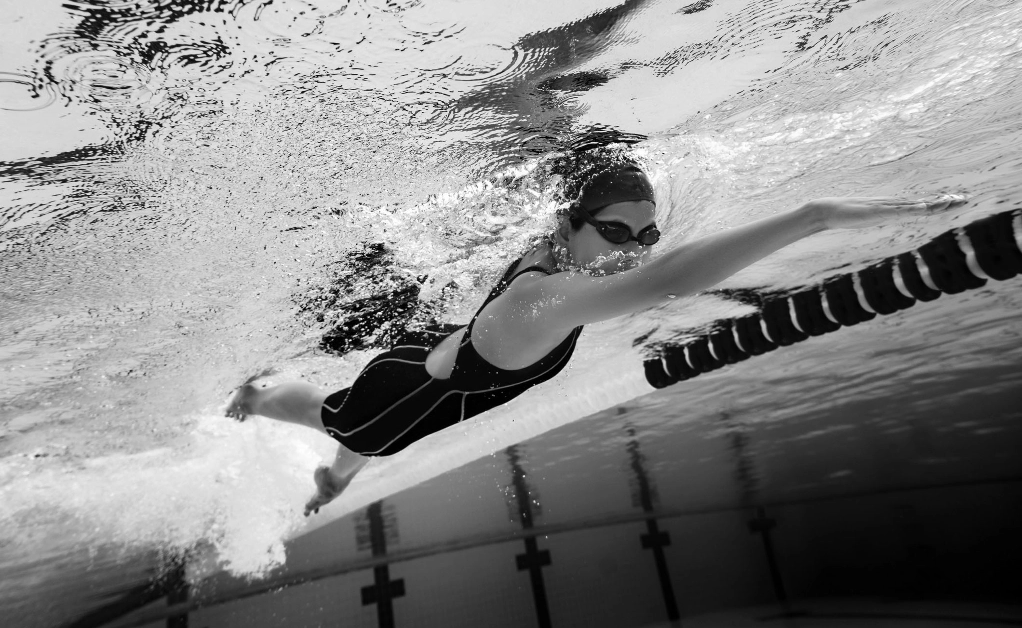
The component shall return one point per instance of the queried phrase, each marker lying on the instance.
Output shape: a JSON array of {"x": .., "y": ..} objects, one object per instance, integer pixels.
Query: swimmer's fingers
[
  {"x": 946, "y": 201},
  {"x": 859, "y": 212},
  {"x": 936, "y": 204},
  {"x": 925, "y": 207}
]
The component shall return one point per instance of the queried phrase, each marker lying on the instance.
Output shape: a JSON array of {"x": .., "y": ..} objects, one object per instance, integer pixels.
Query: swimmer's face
[{"x": 592, "y": 251}]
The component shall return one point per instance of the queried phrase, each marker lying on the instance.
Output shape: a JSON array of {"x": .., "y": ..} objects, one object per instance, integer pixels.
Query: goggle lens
[
  {"x": 648, "y": 236},
  {"x": 619, "y": 233}
]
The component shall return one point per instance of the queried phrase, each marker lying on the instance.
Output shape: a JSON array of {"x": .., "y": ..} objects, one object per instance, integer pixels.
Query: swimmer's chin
[
  {"x": 611, "y": 267},
  {"x": 619, "y": 267}
]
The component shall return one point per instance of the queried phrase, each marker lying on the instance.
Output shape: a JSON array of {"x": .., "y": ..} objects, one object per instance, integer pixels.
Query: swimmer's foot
[
  {"x": 239, "y": 407},
  {"x": 328, "y": 487}
]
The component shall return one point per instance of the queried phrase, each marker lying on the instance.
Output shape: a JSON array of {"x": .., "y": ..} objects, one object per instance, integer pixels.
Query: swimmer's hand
[
  {"x": 328, "y": 487},
  {"x": 859, "y": 212}
]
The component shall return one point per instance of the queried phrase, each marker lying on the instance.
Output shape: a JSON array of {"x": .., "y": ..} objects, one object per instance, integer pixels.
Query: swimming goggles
[{"x": 619, "y": 233}]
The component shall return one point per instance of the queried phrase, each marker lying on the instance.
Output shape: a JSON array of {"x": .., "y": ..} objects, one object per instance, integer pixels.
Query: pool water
[{"x": 194, "y": 193}]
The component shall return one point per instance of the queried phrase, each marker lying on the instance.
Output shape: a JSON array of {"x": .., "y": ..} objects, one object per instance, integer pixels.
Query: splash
[{"x": 236, "y": 488}]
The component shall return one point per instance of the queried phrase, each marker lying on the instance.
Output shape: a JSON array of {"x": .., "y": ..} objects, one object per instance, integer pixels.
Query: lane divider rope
[{"x": 961, "y": 259}]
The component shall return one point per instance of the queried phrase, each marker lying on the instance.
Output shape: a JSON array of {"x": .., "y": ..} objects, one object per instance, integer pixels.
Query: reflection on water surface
[{"x": 180, "y": 181}]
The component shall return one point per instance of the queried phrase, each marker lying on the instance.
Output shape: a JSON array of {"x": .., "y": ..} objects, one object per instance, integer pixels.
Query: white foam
[{"x": 171, "y": 499}]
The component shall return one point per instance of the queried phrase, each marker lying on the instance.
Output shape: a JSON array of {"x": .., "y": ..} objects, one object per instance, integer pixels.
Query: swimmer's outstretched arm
[{"x": 565, "y": 300}]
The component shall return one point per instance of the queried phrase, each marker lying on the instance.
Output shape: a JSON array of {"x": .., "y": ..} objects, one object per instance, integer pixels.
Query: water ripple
[
  {"x": 21, "y": 92},
  {"x": 256, "y": 144}
]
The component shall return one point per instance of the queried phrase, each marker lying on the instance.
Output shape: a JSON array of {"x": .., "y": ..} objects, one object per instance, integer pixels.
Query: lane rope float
[{"x": 961, "y": 259}]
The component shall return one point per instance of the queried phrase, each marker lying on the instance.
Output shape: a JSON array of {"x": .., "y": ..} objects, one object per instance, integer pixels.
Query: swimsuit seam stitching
[
  {"x": 381, "y": 414},
  {"x": 414, "y": 423}
]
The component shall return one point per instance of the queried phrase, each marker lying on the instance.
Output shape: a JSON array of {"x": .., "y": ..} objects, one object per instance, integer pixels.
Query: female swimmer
[{"x": 593, "y": 267}]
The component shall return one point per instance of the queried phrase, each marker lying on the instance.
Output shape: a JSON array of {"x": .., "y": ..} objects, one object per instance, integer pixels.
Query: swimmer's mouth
[
  {"x": 617, "y": 263},
  {"x": 629, "y": 264}
]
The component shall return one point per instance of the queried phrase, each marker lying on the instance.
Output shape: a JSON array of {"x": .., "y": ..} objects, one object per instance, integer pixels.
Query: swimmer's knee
[{"x": 314, "y": 413}]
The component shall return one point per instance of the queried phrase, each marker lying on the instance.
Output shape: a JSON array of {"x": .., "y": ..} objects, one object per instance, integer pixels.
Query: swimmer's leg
[
  {"x": 331, "y": 481},
  {"x": 301, "y": 403},
  {"x": 293, "y": 402}
]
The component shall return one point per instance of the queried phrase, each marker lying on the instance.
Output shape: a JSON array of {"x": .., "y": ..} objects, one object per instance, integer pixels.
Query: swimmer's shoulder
[{"x": 541, "y": 256}]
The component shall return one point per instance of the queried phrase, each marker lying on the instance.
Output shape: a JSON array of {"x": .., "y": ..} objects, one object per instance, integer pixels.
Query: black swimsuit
[{"x": 395, "y": 402}]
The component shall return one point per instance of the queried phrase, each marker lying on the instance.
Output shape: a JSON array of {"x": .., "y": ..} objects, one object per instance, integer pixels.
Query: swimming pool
[{"x": 196, "y": 192}]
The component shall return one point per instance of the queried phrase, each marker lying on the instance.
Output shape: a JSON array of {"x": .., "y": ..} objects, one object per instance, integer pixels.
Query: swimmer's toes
[{"x": 237, "y": 409}]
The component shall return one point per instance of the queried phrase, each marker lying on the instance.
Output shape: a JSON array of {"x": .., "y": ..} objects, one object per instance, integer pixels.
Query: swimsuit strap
[{"x": 509, "y": 276}]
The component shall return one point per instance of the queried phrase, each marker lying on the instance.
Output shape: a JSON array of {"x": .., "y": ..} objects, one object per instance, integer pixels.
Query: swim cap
[{"x": 617, "y": 184}]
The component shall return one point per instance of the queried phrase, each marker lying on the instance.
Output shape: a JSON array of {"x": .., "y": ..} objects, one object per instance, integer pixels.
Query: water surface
[{"x": 183, "y": 187}]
